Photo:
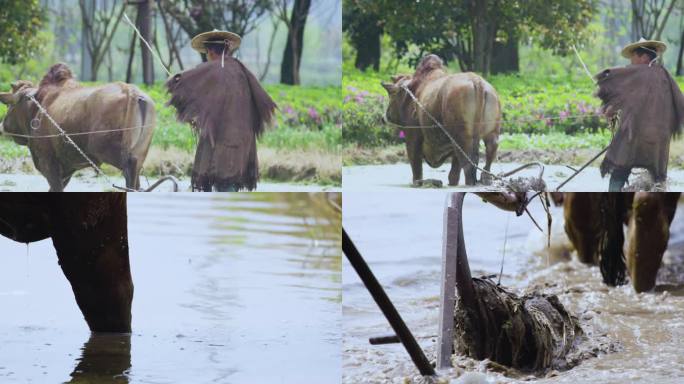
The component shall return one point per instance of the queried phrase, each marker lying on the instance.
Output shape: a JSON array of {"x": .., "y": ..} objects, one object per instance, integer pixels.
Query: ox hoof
[
  {"x": 427, "y": 183},
  {"x": 486, "y": 179}
]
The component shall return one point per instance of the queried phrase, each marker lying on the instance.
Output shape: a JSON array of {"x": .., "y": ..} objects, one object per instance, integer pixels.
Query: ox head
[
  {"x": 20, "y": 110},
  {"x": 397, "y": 107}
]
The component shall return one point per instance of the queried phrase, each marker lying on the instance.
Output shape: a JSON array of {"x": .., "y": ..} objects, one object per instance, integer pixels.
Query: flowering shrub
[{"x": 362, "y": 113}]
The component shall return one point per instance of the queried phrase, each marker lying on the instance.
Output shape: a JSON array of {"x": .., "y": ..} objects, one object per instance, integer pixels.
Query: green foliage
[
  {"x": 446, "y": 27},
  {"x": 20, "y": 24}
]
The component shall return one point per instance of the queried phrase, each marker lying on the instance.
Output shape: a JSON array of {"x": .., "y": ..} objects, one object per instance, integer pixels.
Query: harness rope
[
  {"x": 43, "y": 112},
  {"x": 68, "y": 139},
  {"x": 501, "y": 177},
  {"x": 507, "y": 122},
  {"x": 444, "y": 130}
]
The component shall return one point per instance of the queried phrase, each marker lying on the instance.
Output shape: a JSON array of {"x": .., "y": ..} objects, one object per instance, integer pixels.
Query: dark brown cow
[
  {"x": 89, "y": 232},
  {"x": 125, "y": 112},
  {"x": 595, "y": 223}
]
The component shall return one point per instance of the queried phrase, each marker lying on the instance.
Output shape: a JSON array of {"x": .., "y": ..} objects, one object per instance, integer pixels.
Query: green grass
[{"x": 554, "y": 141}]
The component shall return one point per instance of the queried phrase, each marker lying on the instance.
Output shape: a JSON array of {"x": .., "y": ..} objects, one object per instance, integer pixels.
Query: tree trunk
[
  {"x": 86, "y": 56},
  {"x": 131, "y": 56},
  {"x": 505, "y": 57},
  {"x": 145, "y": 27},
  {"x": 483, "y": 37},
  {"x": 368, "y": 50},
  {"x": 680, "y": 58},
  {"x": 289, "y": 69}
]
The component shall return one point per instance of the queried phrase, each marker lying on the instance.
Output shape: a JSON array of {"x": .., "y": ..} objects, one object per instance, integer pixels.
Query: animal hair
[
  {"x": 425, "y": 67},
  {"x": 57, "y": 75},
  {"x": 612, "y": 238}
]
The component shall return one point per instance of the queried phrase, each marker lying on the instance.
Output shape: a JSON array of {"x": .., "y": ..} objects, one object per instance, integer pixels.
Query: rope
[
  {"x": 146, "y": 43},
  {"x": 507, "y": 122},
  {"x": 73, "y": 134},
  {"x": 444, "y": 130},
  {"x": 68, "y": 139},
  {"x": 501, "y": 176}
]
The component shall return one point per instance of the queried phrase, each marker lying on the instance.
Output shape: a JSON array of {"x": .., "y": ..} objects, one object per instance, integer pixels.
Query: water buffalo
[
  {"x": 82, "y": 111},
  {"x": 594, "y": 222},
  {"x": 464, "y": 103},
  {"x": 89, "y": 232}
]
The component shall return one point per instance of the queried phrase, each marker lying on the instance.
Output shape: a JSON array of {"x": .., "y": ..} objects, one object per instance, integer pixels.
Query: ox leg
[
  {"x": 131, "y": 173},
  {"x": 455, "y": 172},
  {"x": 90, "y": 234},
  {"x": 55, "y": 181},
  {"x": 582, "y": 220},
  {"x": 649, "y": 232},
  {"x": 414, "y": 150},
  {"x": 491, "y": 146}
]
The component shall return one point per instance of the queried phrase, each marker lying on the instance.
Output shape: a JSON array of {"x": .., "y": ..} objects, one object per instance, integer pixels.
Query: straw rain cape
[
  {"x": 652, "y": 111},
  {"x": 228, "y": 109}
]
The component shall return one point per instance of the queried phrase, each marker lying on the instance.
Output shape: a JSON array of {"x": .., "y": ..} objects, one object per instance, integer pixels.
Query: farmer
[
  {"x": 648, "y": 107},
  {"x": 227, "y": 108}
]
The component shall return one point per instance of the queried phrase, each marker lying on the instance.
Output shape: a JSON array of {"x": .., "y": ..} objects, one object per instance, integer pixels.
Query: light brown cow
[
  {"x": 122, "y": 110},
  {"x": 464, "y": 103}
]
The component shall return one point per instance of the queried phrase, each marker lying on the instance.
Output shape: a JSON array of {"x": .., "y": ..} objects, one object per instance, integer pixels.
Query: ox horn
[
  {"x": 9, "y": 98},
  {"x": 390, "y": 87}
]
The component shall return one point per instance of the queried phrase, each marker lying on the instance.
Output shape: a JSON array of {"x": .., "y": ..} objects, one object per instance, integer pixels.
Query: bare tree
[
  {"x": 197, "y": 16},
  {"x": 100, "y": 20},
  {"x": 175, "y": 37},
  {"x": 649, "y": 17}
]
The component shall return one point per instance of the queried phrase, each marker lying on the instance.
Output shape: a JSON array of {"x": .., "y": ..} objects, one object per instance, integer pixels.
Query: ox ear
[
  {"x": 8, "y": 98},
  {"x": 391, "y": 88},
  {"x": 19, "y": 84},
  {"x": 396, "y": 78}
]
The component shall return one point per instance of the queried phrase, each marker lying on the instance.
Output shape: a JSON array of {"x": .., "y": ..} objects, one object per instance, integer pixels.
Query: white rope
[
  {"x": 146, "y": 43},
  {"x": 67, "y": 138},
  {"x": 72, "y": 134},
  {"x": 583, "y": 65},
  {"x": 448, "y": 135},
  {"x": 506, "y": 122}
]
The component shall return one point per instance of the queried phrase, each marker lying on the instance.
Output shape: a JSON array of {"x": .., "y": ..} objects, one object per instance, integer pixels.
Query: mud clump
[{"x": 531, "y": 333}]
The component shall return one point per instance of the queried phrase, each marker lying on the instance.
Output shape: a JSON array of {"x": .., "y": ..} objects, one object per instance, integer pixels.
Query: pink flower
[{"x": 402, "y": 135}]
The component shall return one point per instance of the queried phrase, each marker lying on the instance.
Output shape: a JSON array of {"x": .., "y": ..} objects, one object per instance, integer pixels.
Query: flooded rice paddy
[
  {"x": 229, "y": 288},
  {"x": 638, "y": 338}
]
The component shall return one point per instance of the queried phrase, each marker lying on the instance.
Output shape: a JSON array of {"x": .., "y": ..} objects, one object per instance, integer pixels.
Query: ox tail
[
  {"x": 612, "y": 238},
  {"x": 479, "y": 123},
  {"x": 140, "y": 119}
]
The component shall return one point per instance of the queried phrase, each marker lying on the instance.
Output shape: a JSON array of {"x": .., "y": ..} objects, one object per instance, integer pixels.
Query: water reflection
[
  {"x": 225, "y": 285},
  {"x": 105, "y": 359}
]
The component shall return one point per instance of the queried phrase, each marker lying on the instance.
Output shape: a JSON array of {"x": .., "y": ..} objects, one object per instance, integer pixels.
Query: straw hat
[
  {"x": 198, "y": 41},
  {"x": 657, "y": 46}
]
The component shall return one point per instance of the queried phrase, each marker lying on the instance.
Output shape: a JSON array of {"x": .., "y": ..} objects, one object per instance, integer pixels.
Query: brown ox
[
  {"x": 464, "y": 103},
  {"x": 85, "y": 113},
  {"x": 594, "y": 223}
]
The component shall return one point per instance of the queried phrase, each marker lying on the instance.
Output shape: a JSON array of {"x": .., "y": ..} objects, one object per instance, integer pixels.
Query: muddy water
[
  {"x": 86, "y": 181},
  {"x": 400, "y": 235},
  {"x": 236, "y": 288},
  {"x": 393, "y": 176}
]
